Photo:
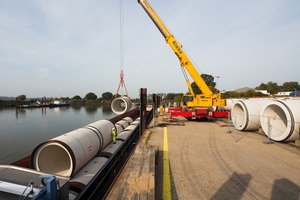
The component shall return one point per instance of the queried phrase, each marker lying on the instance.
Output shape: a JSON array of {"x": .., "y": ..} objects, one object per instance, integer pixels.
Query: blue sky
[{"x": 72, "y": 47}]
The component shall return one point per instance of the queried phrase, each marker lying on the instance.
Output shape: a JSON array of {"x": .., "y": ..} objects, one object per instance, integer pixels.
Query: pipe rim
[
  {"x": 116, "y": 105},
  {"x": 47, "y": 166},
  {"x": 243, "y": 112},
  {"x": 271, "y": 111}
]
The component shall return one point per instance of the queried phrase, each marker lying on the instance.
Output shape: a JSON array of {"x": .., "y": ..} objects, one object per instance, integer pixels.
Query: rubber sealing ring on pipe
[{"x": 121, "y": 105}]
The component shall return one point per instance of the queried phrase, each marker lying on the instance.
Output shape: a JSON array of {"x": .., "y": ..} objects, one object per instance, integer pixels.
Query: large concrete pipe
[
  {"x": 86, "y": 173},
  {"x": 229, "y": 104},
  {"x": 128, "y": 119},
  {"x": 119, "y": 128},
  {"x": 245, "y": 114},
  {"x": 120, "y": 105},
  {"x": 131, "y": 127},
  {"x": 280, "y": 120},
  {"x": 125, "y": 122},
  {"x": 124, "y": 135},
  {"x": 66, "y": 154},
  {"x": 136, "y": 122},
  {"x": 103, "y": 128},
  {"x": 110, "y": 149}
]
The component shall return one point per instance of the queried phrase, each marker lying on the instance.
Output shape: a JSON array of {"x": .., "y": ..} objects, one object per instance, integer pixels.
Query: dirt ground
[{"x": 208, "y": 162}]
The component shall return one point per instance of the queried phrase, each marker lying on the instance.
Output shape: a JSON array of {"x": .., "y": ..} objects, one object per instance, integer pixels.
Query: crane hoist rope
[{"x": 121, "y": 56}]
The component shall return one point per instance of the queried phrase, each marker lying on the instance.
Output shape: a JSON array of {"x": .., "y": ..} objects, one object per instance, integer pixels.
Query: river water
[{"x": 21, "y": 130}]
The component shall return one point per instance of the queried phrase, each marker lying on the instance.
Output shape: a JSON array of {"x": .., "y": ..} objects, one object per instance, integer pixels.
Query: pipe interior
[
  {"x": 54, "y": 159},
  {"x": 119, "y": 105},
  {"x": 278, "y": 120}
]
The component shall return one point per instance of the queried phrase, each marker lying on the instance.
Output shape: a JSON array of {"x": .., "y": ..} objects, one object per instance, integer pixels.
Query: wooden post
[{"x": 143, "y": 99}]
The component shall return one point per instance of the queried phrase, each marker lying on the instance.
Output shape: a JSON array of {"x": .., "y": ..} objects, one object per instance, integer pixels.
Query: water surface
[{"x": 21, "y": 130}]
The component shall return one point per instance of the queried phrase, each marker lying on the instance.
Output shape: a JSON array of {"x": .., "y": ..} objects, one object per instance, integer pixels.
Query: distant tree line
[
  {"x": 106, "y": 97},
  {"x": 271, "y": 87},
  {"x": 90, "y": 97},
  {"x": 274, "y": 88}
]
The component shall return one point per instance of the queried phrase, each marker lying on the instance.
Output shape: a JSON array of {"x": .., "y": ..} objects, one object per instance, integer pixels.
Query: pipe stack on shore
[{"x": 278, "y": 118}]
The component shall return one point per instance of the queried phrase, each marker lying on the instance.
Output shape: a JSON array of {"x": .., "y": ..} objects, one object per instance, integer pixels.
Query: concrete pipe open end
[
  {"x": 280, "y": 120},
  {"x": 53, "y": 158},
  {"x": 66, "y": 154},
  {"x": 239, "y": 115},
  {"x": 121, "y": 105},
  {"x": 246, "y": 113}
]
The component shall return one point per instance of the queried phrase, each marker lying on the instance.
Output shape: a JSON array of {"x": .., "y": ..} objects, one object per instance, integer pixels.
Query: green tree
[
  {"x": 209, "y": 80},
  {"x": 249, "y": 93},
  {"x": 170, "y": 96},
  {"x": 290, "y": 86},
  {"x": 231, "y": 94},
  {"x": 273, "y": 87},
  {"x": 195, "y": 88},
  {"x": 262, "y": 86},
  {"x": 178, "y": 97},
  {"x": 76, "y": 97},
  {"x": 107, "y": 96},
  {"x": 90, "y": 96},
  {"x": 21, "y": 97}
]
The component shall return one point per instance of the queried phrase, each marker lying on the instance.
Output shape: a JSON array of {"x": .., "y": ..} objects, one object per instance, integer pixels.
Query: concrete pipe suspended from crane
[
  {"x": 280, "y": 120},
  {"x": 66, "y": 154},
  {"x": 245, "y": 114},
  {"x": 120, "y": 105}
]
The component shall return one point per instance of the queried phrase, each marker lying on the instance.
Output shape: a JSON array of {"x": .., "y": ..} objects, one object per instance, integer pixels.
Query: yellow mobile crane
[{"x": 199, "y": 105}]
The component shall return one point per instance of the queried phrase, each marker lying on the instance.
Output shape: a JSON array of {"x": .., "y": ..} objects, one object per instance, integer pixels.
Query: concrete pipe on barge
[
  {"x": 98, "y": 186},
  {"x": 66, "y": 154}
]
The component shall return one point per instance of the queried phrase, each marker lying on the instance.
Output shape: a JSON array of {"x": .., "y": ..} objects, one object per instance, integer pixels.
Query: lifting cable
[
  {"x": 121, "y": 58},
  {"x": 121, "y": 35}
]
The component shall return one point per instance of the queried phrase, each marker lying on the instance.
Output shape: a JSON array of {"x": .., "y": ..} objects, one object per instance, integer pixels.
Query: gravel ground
[{"x": 207, "y": 162}]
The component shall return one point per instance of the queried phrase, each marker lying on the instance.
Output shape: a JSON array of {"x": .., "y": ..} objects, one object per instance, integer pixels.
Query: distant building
[
  {"x": 283, "y": 94},
  {"x": 263, "y": 92},
  {"x": 294, "y": 93}
]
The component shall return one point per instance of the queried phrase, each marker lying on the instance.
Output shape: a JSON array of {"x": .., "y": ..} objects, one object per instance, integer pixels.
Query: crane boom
[{"x": 207, "y": 98}]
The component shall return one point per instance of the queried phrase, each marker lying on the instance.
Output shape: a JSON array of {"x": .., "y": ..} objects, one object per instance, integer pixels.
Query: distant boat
[
  {"x": 59, "y": 103},
  {"x": 36, "y": 104}
]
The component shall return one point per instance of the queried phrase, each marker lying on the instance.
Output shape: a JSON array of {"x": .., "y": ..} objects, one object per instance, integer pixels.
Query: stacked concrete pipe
[
  {"x": 66, "y": 154},
  {"x": 245, "y": 113},
  {"x": 120, "y": 105},
  {"x": 86, "y": 173},
  {"x": 280, "y": 120}
]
